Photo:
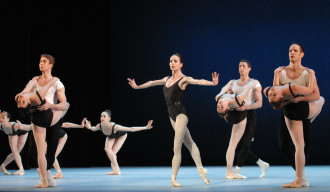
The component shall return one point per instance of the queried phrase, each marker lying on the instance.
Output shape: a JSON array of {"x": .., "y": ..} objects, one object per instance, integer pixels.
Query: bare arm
[
  {"x": 90, "y": 127},
  {"x": 29, "y": 86},
  {"x": 73, "y": 125},
  {"x": 225, "y": 89},
  {"x": 189, "y": 80},
  {"x": 302, "y": 90},
  {"x": 44, "y": 90},
  {"x": 61, "y": 106},
  {"x": 277, "y": 72},
  {"x": 133, "y": 129},
  {"x": 242, "y": 95},
  {"x": 132, "y": 83},
  {"x": 21, "y": 126},
  {"x": 314, "y": 96},
  {"x": 258, "y": 100}
]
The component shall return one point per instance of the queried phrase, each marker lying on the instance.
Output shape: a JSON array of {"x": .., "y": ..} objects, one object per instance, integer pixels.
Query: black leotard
[
  {"x": 62, "y": 133},
  {"x": 173, "y": 97},
  {"x": 114, "y": 135},
  {"x": 41, "y": 118},
  {"x": 296, "y": 111},
  {"x": 18, "y": 132},
  {"x": 234, "y": 116}
]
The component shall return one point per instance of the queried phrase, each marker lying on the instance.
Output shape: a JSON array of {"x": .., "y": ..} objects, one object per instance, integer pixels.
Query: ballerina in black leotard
[{"x": 174, "y": 87}]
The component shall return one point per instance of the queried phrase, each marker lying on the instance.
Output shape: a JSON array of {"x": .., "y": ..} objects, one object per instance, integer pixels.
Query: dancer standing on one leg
[
  {"x": 252, "y": 101},
  {"x": 55, "y": 93},
  {"x": 279, "y": 96},
  {"x": 295, "y": 73},
  {"x": 17, "y": 139},
  {"x": 174, "y": 87}
]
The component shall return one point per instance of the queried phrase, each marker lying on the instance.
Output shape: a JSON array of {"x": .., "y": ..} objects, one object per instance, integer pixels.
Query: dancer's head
[
  {"x": 47, "y": 62},
  {"x": 296, "y": 52},
  {"x": 23, "y": 101},
  {"x": 5, "y": 117},
  {"x": 274, "y": 95},
  {"x": 176, "y": 62},
  {"x": 244, "y": 67},
  {"x": 106, "y": 116},
  {"x": 222, "y": 108}
]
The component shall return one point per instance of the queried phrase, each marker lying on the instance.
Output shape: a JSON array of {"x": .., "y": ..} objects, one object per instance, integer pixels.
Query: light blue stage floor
[{"x": 147, "y": 179}]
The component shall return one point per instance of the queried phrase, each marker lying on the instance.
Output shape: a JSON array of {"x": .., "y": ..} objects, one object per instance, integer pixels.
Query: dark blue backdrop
[{"x": 97, "y": 45}]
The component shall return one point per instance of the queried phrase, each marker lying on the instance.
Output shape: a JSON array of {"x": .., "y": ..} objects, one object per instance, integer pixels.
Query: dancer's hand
[
  {"x": 87, "y": 124},
  {"x": 279, "y": 69},
  {"x": 45, "y": 106},
  {"x": 243, "y": 108},
  {"x": 19, "y": 124},
  {"x": 215, "y": 78},
  {"x": 132, "y": 83},
  {"x": 296, "y": 100},
  {"x": 83, "y": 122},
  {"x": 149, "y": 126}
]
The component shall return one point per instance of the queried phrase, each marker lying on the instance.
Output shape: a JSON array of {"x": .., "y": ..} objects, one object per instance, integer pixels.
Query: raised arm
[
  {"x": 133, "y": 129},
  {"x": 225, "y": 89},
  {"x": 132, "y": 83},
  {"x": 73, "y": 125},
  {"x": 90, "y": 127},
  {"x": 277, "y": 72}
]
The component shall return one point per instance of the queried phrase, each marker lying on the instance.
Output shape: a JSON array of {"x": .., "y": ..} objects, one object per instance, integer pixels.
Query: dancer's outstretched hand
[
  {"x": 87, "y": 124},
  {"x": 132, "y": 83},
  {"x": 149, "y": 126},
  {"x": 215, "y": 78},
  {"x": 83, "y": 122}
]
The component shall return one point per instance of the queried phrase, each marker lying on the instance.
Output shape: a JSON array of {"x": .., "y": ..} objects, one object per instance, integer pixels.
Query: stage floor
[{"x": 147, "y": 179}]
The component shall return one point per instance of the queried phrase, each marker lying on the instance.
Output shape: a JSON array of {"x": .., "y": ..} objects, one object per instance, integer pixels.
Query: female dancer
[
  {"x": 16, "y": 138},
  {"x": 28, "y": 102},
  {"x": 280, "y": 96},
  {"x": 174, "y": 87},
  {"x": 226, "y": 103},
  {"x": 116, "y": 136}
]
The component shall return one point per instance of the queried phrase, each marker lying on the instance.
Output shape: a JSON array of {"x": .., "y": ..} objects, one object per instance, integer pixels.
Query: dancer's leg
[
  {"x": 21, "y": 140},
  {"x": 109, "y": 142},
  {"x": 179, "y": 132},
  {"x": 297, "y": 135},
  {"x": 115, "y": 148},
  {"x": 315, "y": 108},
  {"x": 56, "y": 165},
  {"x": 40, "y": 137},
  {"x": 236, "y": 135}
]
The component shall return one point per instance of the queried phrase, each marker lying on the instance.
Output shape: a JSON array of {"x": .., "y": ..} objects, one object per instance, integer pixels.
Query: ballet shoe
[
  {"x": 50, "y": 180},
  {"x": 304, "y": 182},
  {"x": 264, "y": 169},
  {"x": 43, "y": 183},
  {"x": 239, "y": 176},
  {"x": 4, "y": 170},
  {"x": 175, "y": 184},
  {"x": 114, "y": 173},
  {"x": 202, "y": 173},
  {"x": 58, "y": 175},
  {"x": 292, "y": 185},
  {"x": 235, "y": 176},
  {"x": 19, "y": 172}
]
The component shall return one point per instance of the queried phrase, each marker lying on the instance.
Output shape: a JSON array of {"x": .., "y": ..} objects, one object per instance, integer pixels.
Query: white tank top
[
  {"x": 249, "y": 99},
  {"x": 302, "y": 80},
  {"x": 51, "y": 96}
]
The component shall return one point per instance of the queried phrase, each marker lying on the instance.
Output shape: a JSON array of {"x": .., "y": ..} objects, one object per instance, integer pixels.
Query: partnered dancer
[
  {"x": 16, "y": 138},
  {"x": 116, "y": 136},
  {"x": 295, "y": 73},
  {"x": 28, "y": 103},
  {"x": 280, "y": 96},
  {"x": 243, "y": 136},
  {"x": 174, "y": 87}
]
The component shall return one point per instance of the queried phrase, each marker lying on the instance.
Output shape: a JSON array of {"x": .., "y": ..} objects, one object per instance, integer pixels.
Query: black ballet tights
[{"x": 286, "y": 144}]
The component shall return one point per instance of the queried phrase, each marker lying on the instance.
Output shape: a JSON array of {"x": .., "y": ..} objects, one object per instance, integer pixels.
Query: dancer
[
  {"x": 174, "y": 87},
  {"x": 253, "y": 100},
  {"x": 16, "y": 138},
  {"x": 295, "y": 73},
  {"x": 116, "y": 136}
]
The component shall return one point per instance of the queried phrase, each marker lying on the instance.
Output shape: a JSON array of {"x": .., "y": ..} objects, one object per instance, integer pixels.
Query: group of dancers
[{"x": 294, "y": 91}]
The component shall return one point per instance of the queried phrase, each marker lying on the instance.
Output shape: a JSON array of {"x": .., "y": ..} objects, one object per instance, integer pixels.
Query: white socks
[{"x": 263, "y": 166}]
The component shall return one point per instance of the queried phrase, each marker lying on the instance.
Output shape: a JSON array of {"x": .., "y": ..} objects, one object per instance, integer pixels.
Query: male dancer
[{"x": 252, "y": 101}]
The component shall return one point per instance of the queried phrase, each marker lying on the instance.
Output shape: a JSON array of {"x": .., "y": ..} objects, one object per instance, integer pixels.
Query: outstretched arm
[
  {"x": 133, "y": 129},
  {"x": 90, "y": 127},
  {"x": 132, "y": 83},
  {"x": 73, "y": 125},
  {"x": 190, "y": 80},
  {"x": 225, "y": 89}
]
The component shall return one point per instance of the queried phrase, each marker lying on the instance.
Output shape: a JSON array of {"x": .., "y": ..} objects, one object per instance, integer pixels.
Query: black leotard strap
[
  {"x": 240, "y": 105},
  {"x": 39, "y": 96},
  {"x": 113, "y": 128},
  {"x": 294, "y": 96},
  {"x": 1, "y": 127}
]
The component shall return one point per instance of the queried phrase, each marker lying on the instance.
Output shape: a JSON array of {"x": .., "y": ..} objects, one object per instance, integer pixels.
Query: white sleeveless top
[
  {"x": 51, "y": 96},
  {"x": 237, "y": 89},
  {"x": 302, "y": 80}
]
